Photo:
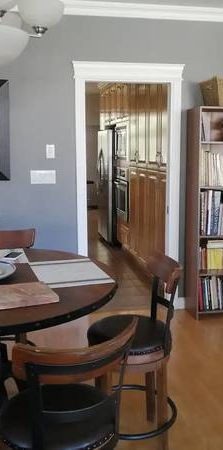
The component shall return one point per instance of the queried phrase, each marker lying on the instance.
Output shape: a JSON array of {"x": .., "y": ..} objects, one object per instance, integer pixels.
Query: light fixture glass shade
[
  {"x": 12, "y": 42},
  {"x": 5, "y": 5},
  {"x": 41, "y": 13},
  {"x": 12, "y": 20}
]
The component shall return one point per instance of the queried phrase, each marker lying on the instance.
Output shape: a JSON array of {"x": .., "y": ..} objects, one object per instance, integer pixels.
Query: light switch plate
[
  {"x": 50, "y": 151},
  {"x": 43, "y": 176}
]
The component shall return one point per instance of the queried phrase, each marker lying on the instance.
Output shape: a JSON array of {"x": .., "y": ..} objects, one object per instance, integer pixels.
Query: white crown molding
[
  {"x": 113, "y": 71},
  {"x": 142, "y": 11}
]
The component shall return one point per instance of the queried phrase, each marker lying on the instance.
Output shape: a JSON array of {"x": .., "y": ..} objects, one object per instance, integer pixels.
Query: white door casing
[{"x": 85, "y": 71}]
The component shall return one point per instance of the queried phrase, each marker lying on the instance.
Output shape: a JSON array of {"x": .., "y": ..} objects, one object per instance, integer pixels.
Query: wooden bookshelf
[{"x": 199, "y": 137}]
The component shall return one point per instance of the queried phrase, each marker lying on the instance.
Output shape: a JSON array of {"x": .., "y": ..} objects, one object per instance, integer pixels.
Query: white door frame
[{"x": 132, "y": 73}]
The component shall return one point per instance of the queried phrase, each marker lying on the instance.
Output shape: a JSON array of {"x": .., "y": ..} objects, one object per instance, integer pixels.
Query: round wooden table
[{"x": 75, "y": 302}]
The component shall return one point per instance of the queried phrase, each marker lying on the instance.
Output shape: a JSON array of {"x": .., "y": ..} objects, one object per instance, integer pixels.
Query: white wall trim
[
  {"x": 180, "y": 303},
  {"x": 143, "y": 11},
  {"x": 131, "y": 72}
]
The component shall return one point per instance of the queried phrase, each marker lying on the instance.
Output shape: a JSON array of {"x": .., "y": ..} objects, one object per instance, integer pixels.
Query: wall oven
[
  {"x": 122, "y": 141},
  {"x": 121, "y": 185}
]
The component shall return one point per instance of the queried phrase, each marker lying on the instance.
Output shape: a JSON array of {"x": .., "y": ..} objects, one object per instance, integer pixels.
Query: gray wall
[{"x": 42, "y": 109}]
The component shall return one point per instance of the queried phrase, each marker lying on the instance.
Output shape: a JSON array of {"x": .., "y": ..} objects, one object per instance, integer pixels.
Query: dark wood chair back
[
  {"x": 43, "y": 367},
  {"x": 17, "y": 238},
  {"x": 63, "y": 366},
  {"x": 166, "y": 275}
]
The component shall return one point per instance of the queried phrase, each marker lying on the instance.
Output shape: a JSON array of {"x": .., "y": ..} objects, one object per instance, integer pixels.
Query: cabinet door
[
  {"x": 102, "y": 111},
  {"x": 113, "y": 96},
  {"x": 142, "y": 123},
  {"x": 164, "y": 123},
  {"x": 133, "y": 144},
  {"x": 119, "y": 100},
  {"x": 125, "y": 100},
  {"x": 133, "y": 210},
  {"x": 107, "y": 106},
  {"x": 143, "y": 234},
  {"x": 160, "y": 213},
  {"x": 152, "y": 121},
  {"x": 151, "y": 212}
]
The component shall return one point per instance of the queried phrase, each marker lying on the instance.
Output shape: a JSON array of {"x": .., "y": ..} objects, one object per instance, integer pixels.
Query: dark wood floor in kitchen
[{"x": 134, "y": 286}]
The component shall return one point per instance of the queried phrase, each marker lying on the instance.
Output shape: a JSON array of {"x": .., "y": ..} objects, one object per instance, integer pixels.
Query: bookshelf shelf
[
  {"x": 211, "y": 272},
  {"x": 208, "y": 236},
  {"x": 214, "y": 188},
  {"x": 215, "y": 311},
  {"x": 212, "y": 142},
  {"x": 204, "y": 203}
]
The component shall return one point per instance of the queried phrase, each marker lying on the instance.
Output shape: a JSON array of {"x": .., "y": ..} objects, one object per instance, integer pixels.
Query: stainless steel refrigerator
[{"x": 105, "y": 186}]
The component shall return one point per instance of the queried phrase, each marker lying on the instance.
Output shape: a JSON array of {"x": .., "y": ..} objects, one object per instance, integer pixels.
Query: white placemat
[{"x": 67, "y": 273}]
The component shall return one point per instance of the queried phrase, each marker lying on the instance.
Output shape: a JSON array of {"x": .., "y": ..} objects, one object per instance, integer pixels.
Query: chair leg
[
  {"x": 150, "y": 396},
  {"x": 3, "y": 394},
  {"x": 162, "y": 407},
  {"x": 104, "y": 383}
]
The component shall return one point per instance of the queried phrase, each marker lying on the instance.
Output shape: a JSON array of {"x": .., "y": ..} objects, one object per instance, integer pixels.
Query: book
[{"x": 206, "y": 125}]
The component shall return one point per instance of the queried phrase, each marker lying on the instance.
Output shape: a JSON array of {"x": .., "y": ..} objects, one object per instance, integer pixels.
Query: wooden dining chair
[
  {"x": 58, "y": 410},
  {"x": 151, "y": 346},
  {"x": 17, "y": 238},
  {"x": 11, "y": 239}
]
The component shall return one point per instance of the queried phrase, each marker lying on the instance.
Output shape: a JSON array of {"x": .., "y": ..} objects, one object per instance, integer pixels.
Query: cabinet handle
[
  {"x": 142, "y": 175},
  {"x": 132, "y": 173},
  {"x": 152, "y": 177}
]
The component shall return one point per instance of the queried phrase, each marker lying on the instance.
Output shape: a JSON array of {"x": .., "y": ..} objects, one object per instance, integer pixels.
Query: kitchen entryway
[{"x": 127, "y": 153}]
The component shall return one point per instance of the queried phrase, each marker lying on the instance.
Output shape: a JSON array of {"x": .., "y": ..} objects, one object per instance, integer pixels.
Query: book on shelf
[
  {"x": 211, "y": 256},
  {"x": 205, "y": 126},
  {"x": 211, "y": 172},
  {"x": 210, "y": 293},
  {"x": 211, "y": 213}
]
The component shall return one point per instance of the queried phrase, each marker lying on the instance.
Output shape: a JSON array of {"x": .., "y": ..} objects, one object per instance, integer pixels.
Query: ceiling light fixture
[{"x": 39, "y": 14}]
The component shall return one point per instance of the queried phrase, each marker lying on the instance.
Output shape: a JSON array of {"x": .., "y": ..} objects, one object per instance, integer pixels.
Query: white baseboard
[{"x": 180, "y": 303}]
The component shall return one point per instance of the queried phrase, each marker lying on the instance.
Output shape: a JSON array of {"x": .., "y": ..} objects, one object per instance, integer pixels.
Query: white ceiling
[{"x": 207, "y": 3}]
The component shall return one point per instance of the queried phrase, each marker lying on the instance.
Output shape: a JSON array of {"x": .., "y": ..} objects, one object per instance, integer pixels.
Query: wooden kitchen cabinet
[
  {"x": 123, "y": 233},
  {"x": 102, "y": 111},
  {"x": 133, "y": 210},
  {"x": 107, "y": 106},
  {"x": 113, "y": 102},
  {"x": 164, "y": 123},
  {"x": 125, "y": 100},
  {"x": 160, "y": 212},
  {"x": 147, "y": 213},
  {"x": 141, "y": 123},
  {"x": 143, "y": 206},
  {"x": 133, "y": 129},
  {"x": 151, "y": 215}
]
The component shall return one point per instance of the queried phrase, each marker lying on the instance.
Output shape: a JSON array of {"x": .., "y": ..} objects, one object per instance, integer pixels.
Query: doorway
[{"x": 131, "y": 73}]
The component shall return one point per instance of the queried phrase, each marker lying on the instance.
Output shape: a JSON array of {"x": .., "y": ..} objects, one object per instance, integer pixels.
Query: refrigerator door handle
[{"x": 99, "y": 171}]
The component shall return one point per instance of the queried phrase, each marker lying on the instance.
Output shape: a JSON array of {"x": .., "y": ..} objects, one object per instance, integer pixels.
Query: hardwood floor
[
  {"x": 134, "y": 286},
  {"x": 195, "y": 372}
]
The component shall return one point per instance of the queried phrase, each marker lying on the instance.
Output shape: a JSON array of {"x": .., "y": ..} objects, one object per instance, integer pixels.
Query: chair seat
[
  {"x": 90, "y": 434},
  {"x": 149, "y": 336}
]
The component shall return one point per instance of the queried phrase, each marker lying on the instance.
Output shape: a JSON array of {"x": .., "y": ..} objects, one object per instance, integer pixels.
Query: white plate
[{"x": 6, "y": 269}]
